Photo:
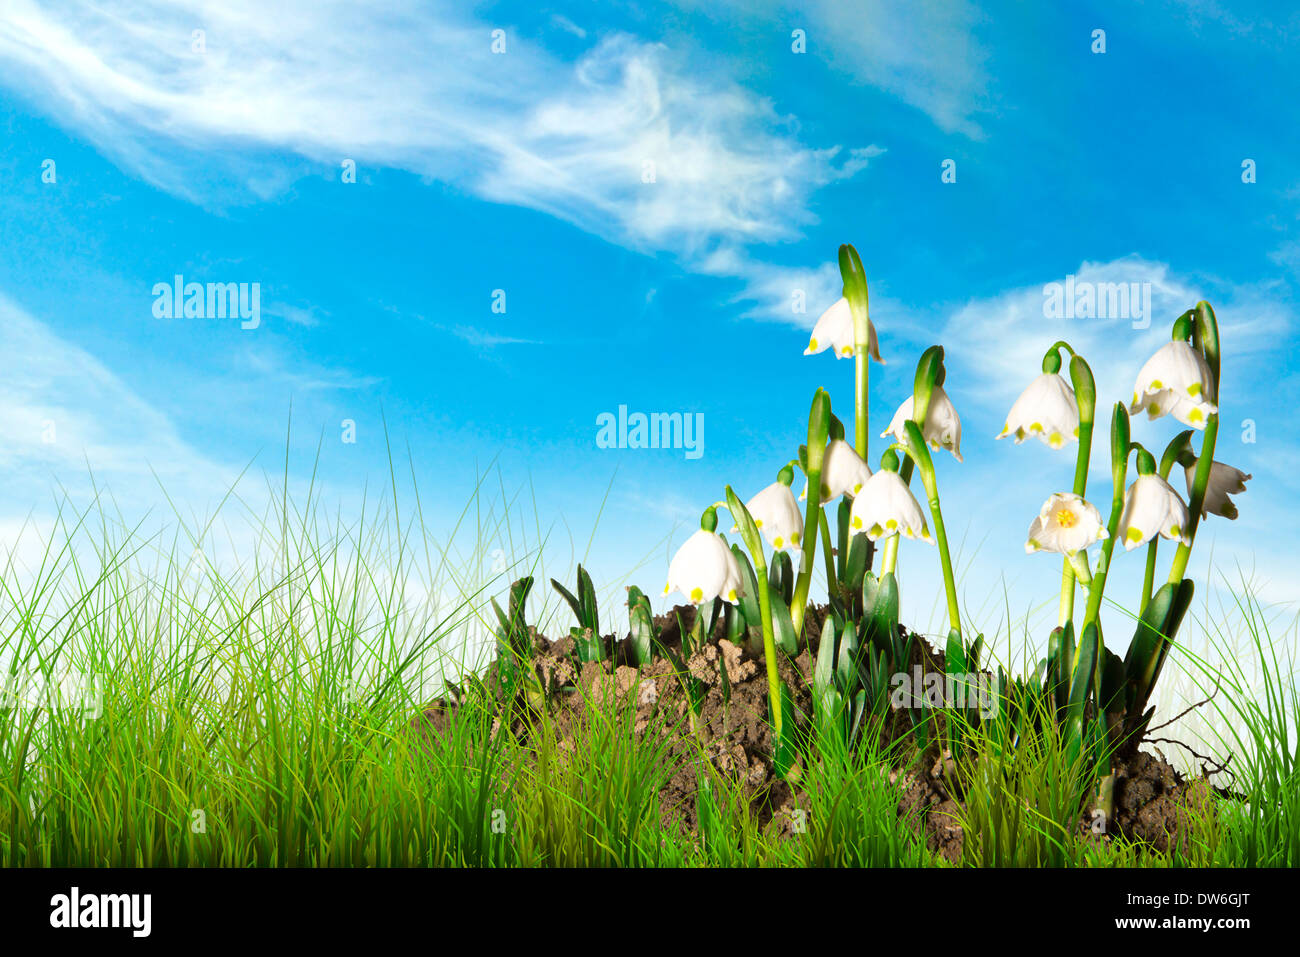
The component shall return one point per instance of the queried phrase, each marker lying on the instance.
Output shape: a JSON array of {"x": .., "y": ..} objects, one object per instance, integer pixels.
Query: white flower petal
[
  {"x": 843, "y": 471},
  {"x": 1066, "y": 523},
  {"x": 1175, "y": 381},
  {"x": 886, "y": 506},
  {"x": 1151, "y": 508},
  {"x": 704, "y": 568},
  {"x": 777, "y": 515},
  {"x": 942, "y": 429},
  {"x": 1046, "y": 409},
  {"x": 834, "y": 330},
  {"x": 1224, "y": 481}
]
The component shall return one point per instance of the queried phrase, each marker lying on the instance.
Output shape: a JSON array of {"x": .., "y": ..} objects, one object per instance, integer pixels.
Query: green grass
[{"x": 259, "y": 712}]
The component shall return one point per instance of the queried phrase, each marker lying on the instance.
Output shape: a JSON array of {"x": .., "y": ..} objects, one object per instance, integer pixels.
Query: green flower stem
[
  {"x": 1180, "y": 445},
  {"x": 1078, "y": 562},
  {"x": 1119, "y": 452},
  {"x": 1199, "y": 484},
  {"x": 1085, "y": 397},
  {"x": 855, "y": 291},
  {"x": 929, "y": 372},
  {"x": 819, "y": 419},
  {"x": 890, "y": 561},
  {"x": 1206, "y": 338},
  {"x": 1066, "y": 612},
  {"x": 921, "y": 455},
  {"x": 754, "y": 543},
  {"x": 1149, "y": 574}
]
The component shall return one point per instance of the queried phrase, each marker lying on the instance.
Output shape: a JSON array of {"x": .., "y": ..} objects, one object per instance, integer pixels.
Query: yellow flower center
[{"x": 1066, "y": 518}]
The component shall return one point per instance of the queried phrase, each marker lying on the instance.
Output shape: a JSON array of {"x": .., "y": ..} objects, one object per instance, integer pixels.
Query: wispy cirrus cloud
[
  {"x": 64, "y": 413},
  {"x": 632, "y": 142}
]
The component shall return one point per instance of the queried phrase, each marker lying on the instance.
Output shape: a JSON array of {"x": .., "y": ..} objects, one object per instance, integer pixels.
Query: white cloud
[
  {"x": 634, "y": 142},
  {"x": 998, "y": 342},
  {"x": 62, "y": 411},
  {"x": 568, "y": 26},
  {"x": 419, "y": 89}
]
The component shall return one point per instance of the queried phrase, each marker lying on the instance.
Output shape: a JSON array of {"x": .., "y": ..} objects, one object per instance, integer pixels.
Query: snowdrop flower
[
  {"x": 1175, "y": 381},
  {"x": 1066, "y": 524},
  {"x": 942, "y": 427},
  {"x": 1151, "y": 507},
  {"x": 843, "y": 472},
  {"x": 704, "y": 568},
  {"x": 886, "y": 506},
  {"x": 1047, "y": 409},
  {"x": 1224, "y": 481},
  {"x": 834, "y": 330},
  {"x": 777, "y": 516}
]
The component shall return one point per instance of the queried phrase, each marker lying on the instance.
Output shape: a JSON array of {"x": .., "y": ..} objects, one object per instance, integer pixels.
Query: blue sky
[{"x": 524, "y": 171}]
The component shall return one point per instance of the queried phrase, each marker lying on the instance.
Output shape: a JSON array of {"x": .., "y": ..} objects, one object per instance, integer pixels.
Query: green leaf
[
  {"x": 880, "y": 615},
  {"x": 1144, "y": 651},
  {"x": 783, "y": 634},
  {"x": 1081, "y": 680},
  {"x": 1151, "y": 642},
  {"x": 570, "y": 598},
  {"x": 859, "y": 711},
  {"x": 724, "y": 680},
  {"x": 856, "y": 568},
  {"x": 954, "y": 658},
  {"x": 824, "y": 669},
  {"x": 735, "y": 625},
  {"x": 1060, "y": 659},
  {"x": 781, "y": 576},
  {"x": 504, "y": 629},
  {"x": 590, "y": 616},
  {"x": 1081, "y": 683},
  {"x": 749, "y": 597},
  {"x": 640, "y": 624},
  {"x": 846, "y": 660},
  {"x": 588, "y": 644},
  {"x": 1112, "y": 683}
]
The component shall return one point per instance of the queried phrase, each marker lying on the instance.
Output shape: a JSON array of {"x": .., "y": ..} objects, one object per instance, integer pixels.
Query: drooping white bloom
[
  {"x": 843, "y": 472},
  {"x": 942, "y": 427},
  {"x": 1152, "y": 507},
  {"x": 1047, "y": 409},
  {"x": 834, "y": 330},
  {"x": 704, "y": 568},
  {"x": 1224, "y": 481},
  {"x": 1066, "y": 524},
  {"x": 1175, "y": 381},
  {"x": 886, "y": 506},
  {"x": 777, "y": 515}
]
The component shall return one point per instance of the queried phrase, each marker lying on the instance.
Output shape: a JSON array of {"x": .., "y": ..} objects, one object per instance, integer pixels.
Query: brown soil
[{"x": 1152, "y": 803}]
